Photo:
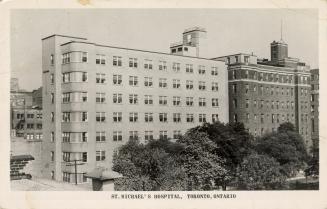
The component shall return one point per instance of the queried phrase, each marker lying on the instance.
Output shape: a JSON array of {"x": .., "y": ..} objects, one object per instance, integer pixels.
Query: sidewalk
[{"x": 38, "y": 184}]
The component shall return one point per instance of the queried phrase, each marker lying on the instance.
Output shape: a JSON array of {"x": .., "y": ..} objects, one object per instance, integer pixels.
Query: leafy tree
[
  {"x": 286, "y": 146},
  {"x": 233, "y": 143},
  {"x": 148, "y": 167},
  {"x": 201, "y": 164},
  {"x": 260, "y": 172}
]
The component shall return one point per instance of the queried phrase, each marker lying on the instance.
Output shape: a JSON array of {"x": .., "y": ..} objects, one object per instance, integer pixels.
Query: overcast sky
[{"x": 228, "y": 31}]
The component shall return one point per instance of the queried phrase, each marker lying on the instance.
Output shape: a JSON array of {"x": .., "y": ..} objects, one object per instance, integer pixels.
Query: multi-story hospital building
[{"x": 97, "y": 97}]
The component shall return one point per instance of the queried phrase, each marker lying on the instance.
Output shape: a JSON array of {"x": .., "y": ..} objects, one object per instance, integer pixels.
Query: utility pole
[{"x": 75, "y": 167}]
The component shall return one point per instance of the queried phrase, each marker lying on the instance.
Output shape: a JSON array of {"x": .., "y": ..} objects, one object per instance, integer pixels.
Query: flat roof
[
  {"x": 63, "y": 36},
  {"x": 115, "y": 47},
  {"x": 234, "y": 55}
]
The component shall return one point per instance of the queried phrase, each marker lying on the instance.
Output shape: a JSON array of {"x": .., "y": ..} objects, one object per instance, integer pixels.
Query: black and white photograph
[{"x": 164, "y": 100}]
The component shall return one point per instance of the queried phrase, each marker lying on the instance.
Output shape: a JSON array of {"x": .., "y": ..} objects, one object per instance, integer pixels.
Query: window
[
  {"x": 163, "y": 135},
  {"x": 176, "y": 83},
  {"x": 100, "y": 78},
  {"x": 255, "y": 103},
  {"x": 189, "y": 118},
  {"x": 148, "y": 81},
  {"x": 84, "y": 56},
  {"x": 176, "y": 67},
  {"x": 148, "y": 64},
  {"x": 234, "y": 88},
  {"x": 29, "y": 136},
  {"x": 100, "y": 116},
  {"x": 148, "y": 135},
  {"x": 148, "y": 99},
  {"x": 117, "y": 116},
  {"x": 163, "y": 117},
  {"x": 148, "y": 117},
  {"x": 215, "y": 118},
  {"x": 133, "y": 135},
  {"x": 163, "y": 82},
  {"x": 100, "y": 97},
  {"x": 52, "y": 156},
  {"x": 247, "y": 103},
  {"x": 65, "y": 177},
  {"x": 30, "y": 126},
  {"x": 65, "y": 58},
  {"x": 52, "y": 116},
  {"x": 51, "y": 59},
  {"x": 133, "y": 99},
  {"x": 74, "y": 116},
  {"x": 163, "y": 100},
  {"x": 52, "y": 175},
  {"x": 247, "y": 118},
  {"x": 117, "y": 61},
  {"x": 176, "y": 101},
  {"x": 235, "y": 103},
  {"x": 100, "y": 59},
  {"x": 235, "y": 118},
  {"x": 262, "y": 118},
  {"x": 246, "y": 74},
  {"x": 117, "y": 98},
  {"x": 177, "y": 134},
  {"x": 273, "y": 118},
  {"x": 189, "y": 68},
  {"x": 100, "y": 155},
  {"x": 272, "y": 104},
  {"x": 133, "y": 117},
  {"x": 202, "y": 102},
  {"x": 39, "y": 126},
  {"x": 189, "y": 84},
  {"x": 30, "y": 115},
  {"x": 117, "y": 136},
  {"x": 66, "y": 156},
  {"x": 246, "y": 59},
  {"x": 117, "y": 79},
  {"x": 202, "y": 118},
  {"x": 162, "y": 65},
  {"x": 214, "y": 71},
  {"x": 202, "y": 70},
  {"x": 52, "y": 78},
  {"x": 214, "y": 86},
  {"x": 246, "y": 88},
  {"x": 189, "y": 101},
  {"x": 70, "y": 97},
  {"x": 74, "y": 77},
  {"x": 133, "y": 80},
  {"x": 234, "y": 74},
  {"x": 52, "y": 136},
  {"x": 215, "y": 102},
  {"x": 100, "y": 136},
  {"x": 74, "y": 137},
  {"x": 202, "y": 85},
  {"x": 176, "y": 117},
  {"x": 133, "y": 62}
]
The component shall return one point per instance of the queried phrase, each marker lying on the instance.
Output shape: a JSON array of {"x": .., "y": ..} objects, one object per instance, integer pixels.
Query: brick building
[
  {"x": 97, "y": 97},
  {"x": 26, "y": 112},
  {"x": 315, "y": 108},
  {"x": 265, "y": 93}
]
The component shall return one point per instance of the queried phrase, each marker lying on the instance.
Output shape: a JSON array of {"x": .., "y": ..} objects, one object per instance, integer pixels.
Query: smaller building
[{"x": 27, "y": 123}]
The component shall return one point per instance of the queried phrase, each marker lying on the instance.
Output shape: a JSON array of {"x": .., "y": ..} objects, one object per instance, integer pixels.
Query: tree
[
  {"x": 286, "y": 146},
  {"x": 148, "y": 167},
  {"x": 199, "y": 160},
  {"x": 260, "y": 172},
  {"x": 232, "y": 142}
]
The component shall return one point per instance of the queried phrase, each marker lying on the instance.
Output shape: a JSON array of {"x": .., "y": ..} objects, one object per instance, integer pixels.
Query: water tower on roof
[{"x": 192, "y": 38}]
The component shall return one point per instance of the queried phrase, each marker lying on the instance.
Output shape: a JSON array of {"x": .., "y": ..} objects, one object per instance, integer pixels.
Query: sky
[{"x": 229, "y": 31}]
